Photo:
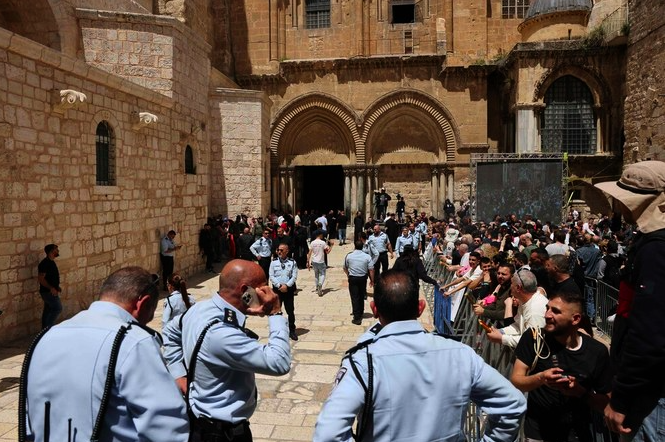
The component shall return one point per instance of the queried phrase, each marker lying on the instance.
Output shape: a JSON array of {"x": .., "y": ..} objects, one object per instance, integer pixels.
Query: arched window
[
  {"x": 568, "y": 123},
  {"x": 105, "y": 143},
  {"x": 190, "y": 168}
]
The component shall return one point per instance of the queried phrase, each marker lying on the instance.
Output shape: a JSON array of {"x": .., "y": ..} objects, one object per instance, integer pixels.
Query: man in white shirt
[
  {"x": 530, "y": 313},
  {"x": 318, "y": 249}
]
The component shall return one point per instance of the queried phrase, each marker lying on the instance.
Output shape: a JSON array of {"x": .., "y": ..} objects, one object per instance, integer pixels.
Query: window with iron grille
[
  {"x": 568, "y": 123},
  {"x": 105, "y": 154},
  {"x": 317, "y": 14},
  {"x": 190, "y": 168},
  {"x": 514, "y": 8}
]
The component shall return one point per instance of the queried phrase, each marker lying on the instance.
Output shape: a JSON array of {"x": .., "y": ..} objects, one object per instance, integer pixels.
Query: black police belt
[
  {"x": 209, "y": 426},
  {"x": 106, "y": 395}
]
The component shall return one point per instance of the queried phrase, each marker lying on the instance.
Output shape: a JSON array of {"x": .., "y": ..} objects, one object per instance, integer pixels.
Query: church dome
[
  {"x": 548, "y": 20},
  {"x": 541, "y": 7}
]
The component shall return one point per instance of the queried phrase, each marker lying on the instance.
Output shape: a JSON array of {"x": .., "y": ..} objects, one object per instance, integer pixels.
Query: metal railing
[{"x": 466, "y": 329}]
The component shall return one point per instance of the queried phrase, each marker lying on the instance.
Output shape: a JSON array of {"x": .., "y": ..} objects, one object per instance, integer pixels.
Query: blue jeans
[
  {"x": 319, "y": 273},
  {"x": 341, "y": 234},
  {"x": 652, "y": 428},
  {"x": 590, "y": 297},
  {"x": 52, "y": 308}
]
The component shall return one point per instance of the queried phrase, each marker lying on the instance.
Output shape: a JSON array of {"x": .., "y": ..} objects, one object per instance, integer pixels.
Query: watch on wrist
[{"x": 276, "y": 313}]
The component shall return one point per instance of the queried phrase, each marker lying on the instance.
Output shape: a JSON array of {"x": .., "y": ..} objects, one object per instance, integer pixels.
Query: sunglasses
[{"x": 519, "y": 277}]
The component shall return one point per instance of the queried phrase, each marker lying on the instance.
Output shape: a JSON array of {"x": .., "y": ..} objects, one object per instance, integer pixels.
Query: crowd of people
[{"x": 526, "y": 280}]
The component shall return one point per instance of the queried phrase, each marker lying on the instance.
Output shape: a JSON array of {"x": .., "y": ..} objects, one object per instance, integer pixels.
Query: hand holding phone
[
  {"x": 484, "y": 325},
  {"x": 250, "y": 298}
]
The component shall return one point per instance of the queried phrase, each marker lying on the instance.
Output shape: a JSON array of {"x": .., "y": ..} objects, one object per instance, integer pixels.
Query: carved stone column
[
  {"x": 282, "y": 188},
  {"x": 290, "y": 191},
  {"x": 354, "y": 192},
  {"x": 360, "y": 194},
  {"x": 443, "y": 181},
  {"x": 451, "y": 186},
  {"x": 434, "y": 205},
  {"x": 347, "y": 190}
]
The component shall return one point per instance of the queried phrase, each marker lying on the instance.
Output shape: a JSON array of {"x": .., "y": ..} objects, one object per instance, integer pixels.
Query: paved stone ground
[{"x": 288, "y": 405}]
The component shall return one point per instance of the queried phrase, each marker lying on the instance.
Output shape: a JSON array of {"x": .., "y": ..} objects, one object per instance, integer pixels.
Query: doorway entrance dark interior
[{"x": 322, "y": 188}]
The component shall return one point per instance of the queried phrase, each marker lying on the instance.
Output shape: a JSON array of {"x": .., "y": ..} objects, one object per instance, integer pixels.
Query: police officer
[
  {"x": 262, "y": 249},
  {"x": 369, "y": 248},
  {"x": 283, "y": 274},
  {"x": 403, "y": 240},
  {"x": 382, "y": 245},
  {"x": 67, "y": 372},
  {"x": 167, "y": 248},
  {"x": 357, "y": 266},
  {"x": 392, "y": 379},
  {"x": 210, "y": 345}
]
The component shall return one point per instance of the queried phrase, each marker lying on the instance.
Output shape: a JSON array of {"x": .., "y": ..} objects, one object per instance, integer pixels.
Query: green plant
[
  {"x": 595, "y": 38},
  {"x": 479, "y": 62},
  {"x": 625, "y": 29}
]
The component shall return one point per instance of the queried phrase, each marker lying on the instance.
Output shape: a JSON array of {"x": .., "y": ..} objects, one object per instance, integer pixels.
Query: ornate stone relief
[
  {"x": 67, "y": 99},
  {"x": 143, "y": 119}
]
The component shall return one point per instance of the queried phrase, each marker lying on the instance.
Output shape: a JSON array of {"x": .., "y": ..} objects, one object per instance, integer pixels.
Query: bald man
[{"x": 220, "y": 377}]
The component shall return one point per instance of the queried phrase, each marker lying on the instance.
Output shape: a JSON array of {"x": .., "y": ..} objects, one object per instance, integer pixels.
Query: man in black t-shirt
[
  {"x": 567, "y": 377},
  {"x": 49, "y": 285}
]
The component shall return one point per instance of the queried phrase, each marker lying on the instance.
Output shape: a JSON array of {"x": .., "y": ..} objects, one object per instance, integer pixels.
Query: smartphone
[
  {"x": 484, "y": 325},
  {"x": 250, "y": 298}
]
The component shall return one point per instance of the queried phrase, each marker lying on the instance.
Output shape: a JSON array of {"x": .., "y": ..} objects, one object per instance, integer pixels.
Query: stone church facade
[{"x": 121, "y": 120}]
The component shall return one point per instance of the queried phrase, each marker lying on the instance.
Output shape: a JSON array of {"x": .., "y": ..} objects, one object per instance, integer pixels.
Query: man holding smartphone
[
  {"x": 566, "y": 372},
  {"x": 220, "y": 382}
]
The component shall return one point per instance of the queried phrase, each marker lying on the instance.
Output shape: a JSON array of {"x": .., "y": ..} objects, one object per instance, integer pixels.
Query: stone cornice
[
  {"x": 557, "y": 49},
  {"x": 360, "y": 64}
]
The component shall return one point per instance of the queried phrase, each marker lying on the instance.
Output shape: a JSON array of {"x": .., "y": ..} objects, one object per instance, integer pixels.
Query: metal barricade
[{"x": 607, "y": 298}]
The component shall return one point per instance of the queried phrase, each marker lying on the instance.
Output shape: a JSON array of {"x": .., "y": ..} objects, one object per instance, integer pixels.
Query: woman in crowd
[{"x": 178, "y": 301}]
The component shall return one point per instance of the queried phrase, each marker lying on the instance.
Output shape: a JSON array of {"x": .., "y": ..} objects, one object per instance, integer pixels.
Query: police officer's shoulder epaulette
[
  {"x": 376, "y": 328},
  {"x": 230, "y": 318}
]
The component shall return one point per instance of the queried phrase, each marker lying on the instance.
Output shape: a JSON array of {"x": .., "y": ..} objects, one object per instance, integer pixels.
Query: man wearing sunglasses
[
  {"x": 103, "y": 352},
  {"x": 530, "y": 312},
  {"x": 283, "y": 273}
]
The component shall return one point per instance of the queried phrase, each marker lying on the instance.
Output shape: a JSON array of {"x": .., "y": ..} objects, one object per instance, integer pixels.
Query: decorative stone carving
[
  {"x": 143, "y": 119},
  {"x": 67, "y": 99}
]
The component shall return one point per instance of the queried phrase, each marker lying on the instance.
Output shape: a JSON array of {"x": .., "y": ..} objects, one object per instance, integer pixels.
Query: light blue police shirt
[
  {"x": 224, "y": 387},
  {"x": 358, "y": 263},
  {"x": 262, "y": 247},
  {"x": 422, "y": 386},
  {"x": 369, "y": 248},
  {"x": 401, "y": 242},
  {"x": 379, "y": 242},
  {"x": 69, "y": 369},
  {"x": 174, "y": 306},
  {"x": 283, "y": 272}
]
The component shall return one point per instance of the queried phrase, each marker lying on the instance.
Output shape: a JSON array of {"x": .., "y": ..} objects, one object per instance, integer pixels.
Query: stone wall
[
  {"x": 413, "y": 182},
  {"x": 645, "y": 94},
  {"x": 48, "y": 188},
  {"x": 239, "y": 152},
  {"x": 470, "y": 32}
]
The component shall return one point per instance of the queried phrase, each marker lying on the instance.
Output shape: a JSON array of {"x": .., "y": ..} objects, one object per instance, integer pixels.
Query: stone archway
[
  {"x": 409, "y": 137},
  {"x": 314, "y": 131}
]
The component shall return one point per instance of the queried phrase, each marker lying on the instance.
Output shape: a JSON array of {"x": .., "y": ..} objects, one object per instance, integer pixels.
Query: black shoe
[
  {"x": 357, "y": 321},
  {"x": 293, "y": 336}
]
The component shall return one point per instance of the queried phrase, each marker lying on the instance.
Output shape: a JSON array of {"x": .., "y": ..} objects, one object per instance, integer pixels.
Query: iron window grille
[
  {"x": 105, "y": 154},
  {"x": 568, "y": 123},
  {"x": 317, "y": 14}
]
